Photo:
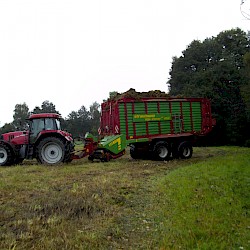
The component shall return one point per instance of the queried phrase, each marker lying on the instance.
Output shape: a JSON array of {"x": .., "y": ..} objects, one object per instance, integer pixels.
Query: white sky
[{"x": 74, "y": 52}]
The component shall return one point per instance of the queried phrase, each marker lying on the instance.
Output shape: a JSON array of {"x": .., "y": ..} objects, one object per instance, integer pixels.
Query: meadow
[{"x": 200, "y": 203}]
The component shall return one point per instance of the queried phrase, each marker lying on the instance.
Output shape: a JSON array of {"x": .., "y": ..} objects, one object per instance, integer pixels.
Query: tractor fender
[{"x": 41, "y": 136}]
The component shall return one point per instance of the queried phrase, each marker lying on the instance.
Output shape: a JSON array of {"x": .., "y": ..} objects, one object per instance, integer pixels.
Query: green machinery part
[{"x": 113, "y": 143}]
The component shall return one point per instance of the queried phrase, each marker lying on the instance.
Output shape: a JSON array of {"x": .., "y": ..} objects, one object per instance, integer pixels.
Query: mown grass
[
  {"x": 206, "y": 205},
  {"x": 201, "y": 203}
]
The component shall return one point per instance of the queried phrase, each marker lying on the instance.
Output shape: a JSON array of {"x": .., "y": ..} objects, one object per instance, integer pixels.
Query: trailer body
[{"x": 148, "y": 122}]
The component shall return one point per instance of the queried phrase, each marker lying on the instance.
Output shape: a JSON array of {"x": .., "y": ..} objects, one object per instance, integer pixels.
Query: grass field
[{"x": 200, "y": 203}]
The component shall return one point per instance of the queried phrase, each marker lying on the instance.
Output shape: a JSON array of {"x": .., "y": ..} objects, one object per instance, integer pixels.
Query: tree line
[
  {"x": 218, "y": 68},
  {"x": 77, "y": 122}
]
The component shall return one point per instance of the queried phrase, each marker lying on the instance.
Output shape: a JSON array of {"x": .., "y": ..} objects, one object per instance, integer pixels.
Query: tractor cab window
[
  {"x": 50, "y": 124},
  {"x": 58, "y": 124},
  {"x": 37, "y": 126}
]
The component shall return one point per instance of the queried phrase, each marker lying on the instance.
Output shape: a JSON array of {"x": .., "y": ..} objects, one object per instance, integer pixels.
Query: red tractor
[{"x": 44, "y": 141}]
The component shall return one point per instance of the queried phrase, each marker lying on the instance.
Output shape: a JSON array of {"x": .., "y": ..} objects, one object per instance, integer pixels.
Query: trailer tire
[
  {"x": 6, "y": 155},
  {"x": 185, "y": 150},
  {"x": 51, "y": 151},
  {"x": 161, "y": 151},
  {"x": 18, "y": 161},
  {"x": 133, "y": 152}
]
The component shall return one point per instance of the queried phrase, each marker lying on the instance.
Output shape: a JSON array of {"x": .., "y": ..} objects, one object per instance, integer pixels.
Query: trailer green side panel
[
  {"x": 196, "y": 114},
  {"x": 165, "y": 125},
  {"x": 122, "y": 119},
  {"x": 187, "y": 116},
  {"x": 140, "y": 128},
  {"x": 143, "y": 119}
]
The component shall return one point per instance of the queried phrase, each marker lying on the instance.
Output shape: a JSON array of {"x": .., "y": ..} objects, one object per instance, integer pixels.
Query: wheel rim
[
  {"x": 51, "y": 153},
  {"x": 3, "y": 155},
  {"x": 186, "y": 152},
  {"x": 162, "y": 152}
]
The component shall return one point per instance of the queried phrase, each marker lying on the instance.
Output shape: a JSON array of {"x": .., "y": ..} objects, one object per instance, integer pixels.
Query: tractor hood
[{"x": 17, "y": 137}]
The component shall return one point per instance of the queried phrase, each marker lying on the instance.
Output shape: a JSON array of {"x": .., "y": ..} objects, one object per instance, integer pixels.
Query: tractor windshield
[{"x": 52, "y": 124}]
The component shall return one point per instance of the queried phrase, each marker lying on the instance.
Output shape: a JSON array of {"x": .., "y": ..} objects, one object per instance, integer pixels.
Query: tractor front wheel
[
  {"x": 6, "y": 156},
  {"x": 51, "y": 151}
]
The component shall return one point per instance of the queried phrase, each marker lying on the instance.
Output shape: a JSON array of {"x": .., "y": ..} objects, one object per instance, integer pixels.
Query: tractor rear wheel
[
  {"x": 51, "y": 151},
  {"x": 6, "y": 156}
]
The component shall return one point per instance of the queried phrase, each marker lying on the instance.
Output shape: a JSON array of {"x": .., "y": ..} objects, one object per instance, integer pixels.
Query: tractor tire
[
  {"x": 68, "y": 158},
  {"x": 68, "y": 154},
  {"x": 6, "y": 155},
  {"x": 51, "y": 151},
  {"x": 185, "y": 150},
  {"x": 161, "y": 151}
]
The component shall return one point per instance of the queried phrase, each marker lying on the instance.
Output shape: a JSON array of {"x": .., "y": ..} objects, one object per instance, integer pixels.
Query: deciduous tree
[
  {"x": 21, "y": 113},
  {"x": 215, "y": 69}
]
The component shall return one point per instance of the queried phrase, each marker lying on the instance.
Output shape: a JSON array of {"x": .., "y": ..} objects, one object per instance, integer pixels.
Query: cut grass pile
[{"x": 201, "y": 203}]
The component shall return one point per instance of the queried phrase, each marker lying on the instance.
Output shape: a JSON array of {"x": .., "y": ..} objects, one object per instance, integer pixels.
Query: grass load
[{"x": 132, "y": 93}]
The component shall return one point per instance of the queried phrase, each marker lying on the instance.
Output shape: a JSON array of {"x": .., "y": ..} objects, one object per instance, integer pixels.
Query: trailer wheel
[
  {"x": 133, "y": 153},
  {"x": 106, "y": 157},
  {"x": 6, "y": 156},
  {"x": 18, "y": 161},
  {"x": 51, "y": 151},
  {"x": 185, "y": 150},
  {"x": 161, "y": 151}
]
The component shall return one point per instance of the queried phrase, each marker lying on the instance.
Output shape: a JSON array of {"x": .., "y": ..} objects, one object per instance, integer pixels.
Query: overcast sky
[{"x": 74, "y": 52}]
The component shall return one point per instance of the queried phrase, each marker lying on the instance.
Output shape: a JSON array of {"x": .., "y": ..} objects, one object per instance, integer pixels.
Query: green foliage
[
  {"x": 247, "y": 60},
  {"x": 82, "y": 121},
  {"x": 112, "y": 94},
  {"x": 7, "y": 127},
  {"x": 245, "y": 89},
  {"x": 94, "y": 117},
  {"x": 217, "y": 69},
  {"x": 46, "y": 107},
  {"x": 21, "y": 113}
]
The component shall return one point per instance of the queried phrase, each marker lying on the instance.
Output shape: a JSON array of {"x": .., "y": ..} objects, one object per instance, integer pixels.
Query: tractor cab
[{"x": 43, "y": 122}]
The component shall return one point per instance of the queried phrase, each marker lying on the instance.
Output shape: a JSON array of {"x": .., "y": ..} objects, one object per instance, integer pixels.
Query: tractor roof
[{"x": 44, "y": 115}]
